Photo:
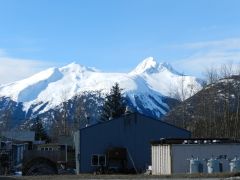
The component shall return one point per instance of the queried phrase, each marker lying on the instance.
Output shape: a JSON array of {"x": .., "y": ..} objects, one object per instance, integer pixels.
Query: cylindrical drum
[
  {"x": 235, "y": 165},
  {"x": 213, "y": 165}
]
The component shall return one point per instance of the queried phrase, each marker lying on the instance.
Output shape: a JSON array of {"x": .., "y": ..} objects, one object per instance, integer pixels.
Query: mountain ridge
[{"x": 146, "y": 87}]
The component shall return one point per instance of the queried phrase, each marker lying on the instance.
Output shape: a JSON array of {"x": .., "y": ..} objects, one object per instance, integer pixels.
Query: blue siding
[{"x": 133, "y": 131}]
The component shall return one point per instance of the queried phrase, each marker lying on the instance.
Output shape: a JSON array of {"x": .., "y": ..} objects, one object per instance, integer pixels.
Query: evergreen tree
[
  {"x": 114, "y": 104},
  {"x": 40, "y": 133}
]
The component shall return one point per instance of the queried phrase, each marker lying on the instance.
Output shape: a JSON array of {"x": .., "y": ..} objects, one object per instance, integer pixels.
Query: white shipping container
[{"x": 162, "y": 160}]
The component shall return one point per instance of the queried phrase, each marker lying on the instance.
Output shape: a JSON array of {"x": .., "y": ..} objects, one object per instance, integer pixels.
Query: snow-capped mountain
[{"x": 146, "y": 87}]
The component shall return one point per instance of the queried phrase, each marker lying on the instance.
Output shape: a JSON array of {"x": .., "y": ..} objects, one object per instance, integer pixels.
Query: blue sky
[{"x": 115, "y": 35}]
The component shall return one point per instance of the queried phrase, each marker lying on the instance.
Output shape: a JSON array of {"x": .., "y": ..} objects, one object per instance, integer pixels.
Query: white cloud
[
  {"x": 13, "y": 69},
  {"x": 210, "y": 54},
  {"x": 197, "y": 64},
  {"x": 226, "y": 44}
]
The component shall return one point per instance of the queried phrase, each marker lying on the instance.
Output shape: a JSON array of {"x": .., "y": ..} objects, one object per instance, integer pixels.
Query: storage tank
[
  {"x": 213, "y": 165},
  {"x": 195, "y": 165},
  {"x": 235, "y": 165}
]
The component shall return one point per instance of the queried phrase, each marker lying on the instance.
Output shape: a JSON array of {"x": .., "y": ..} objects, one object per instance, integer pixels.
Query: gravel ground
[{"x": 121, "y": 177}]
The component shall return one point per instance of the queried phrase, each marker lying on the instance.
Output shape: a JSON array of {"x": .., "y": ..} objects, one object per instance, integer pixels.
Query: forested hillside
[{"x": 213, "y": 111}]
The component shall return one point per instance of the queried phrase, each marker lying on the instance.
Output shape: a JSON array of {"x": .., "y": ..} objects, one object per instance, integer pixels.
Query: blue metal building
[{"x": 132, "y": 132}]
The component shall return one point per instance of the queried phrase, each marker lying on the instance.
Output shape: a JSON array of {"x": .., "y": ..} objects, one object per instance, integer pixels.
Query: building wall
[
  {"x": 180, "y": 153},
  {"x": 133, "y": 131}
]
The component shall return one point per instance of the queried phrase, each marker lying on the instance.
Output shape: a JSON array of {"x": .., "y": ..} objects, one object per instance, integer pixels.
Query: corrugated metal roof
[{"x": 195, "y": 141}]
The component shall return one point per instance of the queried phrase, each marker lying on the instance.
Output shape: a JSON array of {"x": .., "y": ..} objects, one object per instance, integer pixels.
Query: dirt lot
[{"x": 116, "y": 177}]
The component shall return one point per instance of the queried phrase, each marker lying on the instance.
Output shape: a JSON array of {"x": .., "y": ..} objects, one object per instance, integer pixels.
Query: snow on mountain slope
[
  {"x": 161, "y": 77},
  {"x": 146, "y": 84}
]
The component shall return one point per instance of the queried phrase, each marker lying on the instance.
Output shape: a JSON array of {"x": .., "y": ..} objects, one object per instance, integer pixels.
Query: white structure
[
  {"x": 235, "y": 164},
  {"x": 176, "y": 156}
]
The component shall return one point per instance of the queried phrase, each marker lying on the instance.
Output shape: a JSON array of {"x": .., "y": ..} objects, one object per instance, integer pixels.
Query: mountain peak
[
  {"x": 146, "y": 65},
  {"x": 75, "y": 67},
  {"x": 169, "y": 67},
  {"x": 149, "y": 65}
]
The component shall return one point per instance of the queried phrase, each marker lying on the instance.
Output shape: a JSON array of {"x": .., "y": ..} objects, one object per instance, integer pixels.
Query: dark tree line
[{"x": 78, "y": 112}]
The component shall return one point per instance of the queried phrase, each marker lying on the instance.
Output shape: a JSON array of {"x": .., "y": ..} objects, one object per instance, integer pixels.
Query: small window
[
  {"x": 50, "y": 149},
  {"x": 94, "y": 160},
  {"x": 42, "y": 149},
  {"x": 102, "y": 160},
  {"x": 98, "y": 160}
]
